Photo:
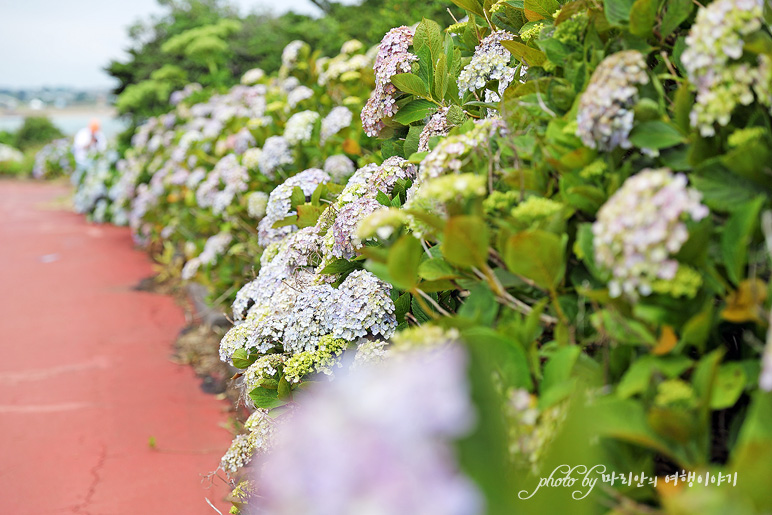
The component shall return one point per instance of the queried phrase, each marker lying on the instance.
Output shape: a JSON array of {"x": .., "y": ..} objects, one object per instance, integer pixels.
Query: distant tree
[{"x": 36, "y": 130}]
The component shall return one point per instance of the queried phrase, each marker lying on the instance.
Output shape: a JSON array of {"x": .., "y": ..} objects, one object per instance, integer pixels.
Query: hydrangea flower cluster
[
  {"x": 340, "y": 167},
  {"x": 447, "y": 156},
  {"x": 530, "y": 428},
  {"x": 260, "y": 433},
  {"x": 347, "y": 64},
  {"x": 290, "y": 54},
  {"x": 712, "y": 59},
  {"x": 280, "y": 207},
  {"x": 375, "y": 440},
  {"x": 641, "y": 228},
  {"x": 252, "y": 76},
  {"x": 297, "y": 95},
  {"x": 53, "y": 159},
  {"x": 436, "y": 126},
  {"x": 605, "y": 116},
  {"x": 276, "y": 153},
  {"x": 178, "y": 96},
  {"x": 345, "y": 241},
  {"x": 214, "y": 247},
  {"x": 338, "y": 119},
  {"x": 251, "y": 158},
  {"x": 226, "y": 180},
  {"x": 300, "y": 127},
  {"x": 490, "y": 62},
  {"x": 257, "y": 202},
  {"x": 393, "y": 58}
]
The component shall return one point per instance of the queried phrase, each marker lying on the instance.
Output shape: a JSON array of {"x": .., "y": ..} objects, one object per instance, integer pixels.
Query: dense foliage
[{"x": 559, "y": 247}]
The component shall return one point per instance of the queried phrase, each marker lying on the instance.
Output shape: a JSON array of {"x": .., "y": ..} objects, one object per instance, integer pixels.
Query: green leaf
[
  {"x": 308, "y": 214},
  {"x": 540, "y": 9},
  {"x": 436, "y": 268},
  {"x": 414, "y": 111},
  {"x": 412, "y": 139},
  {"x": 412, "y": 84},
  {"x": 241, "y": 359},
  {"x": 473, "y": 6},
  {"x": 441, "y": 77},
  {"x": 730, "y": 383},
  {"x": 284, "y": 390},
  {"x": 480, "y": 305},
  {"x": 465, "y": 241},
  {"x": 637, "y": 377},
  {"x": 404, "y": 258},
  {"x": 383, "y": 199},
  {"x": 402, "y": 306},
  {"x": 618, "y": 11},
  {"x": 623, "y": 329},
  {"x": 655, "y": 135},
  {"x": 722, "y": 190},
  {"x": 537, "y": 255},
  {"x": 737, "y": 237},
  {"x": 530, "y": 56},
  {"x": 676, "y": 12},
  {"x": 265, "y": 398},
  {"x": 341, "y": 266},
  {"x": 642, "y": 17},
  {"x": 298, "y": 197}
]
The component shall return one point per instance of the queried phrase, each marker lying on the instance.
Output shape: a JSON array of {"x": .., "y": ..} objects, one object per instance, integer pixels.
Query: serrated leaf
[
  {"x": 676, "y": 12},
  {"x": 655, "y": 135},
  {"x": 530, "y": 56},
  {"x": 241, "y": 359},
  {"x": 436, "y": 268},
  {"x": 341, "y": 266},
  {"x": 441, "y": 77},
  {"x": 540, "y": 9},
  {"x": 383, "y": 199},
  {"x": 473, "y": 6},
  {"x": 265, "y": 398},
  {"x": 465, "y": 241},
  {"x": 402, "y": 263},
  {"x": 737, "y": 237},
  {"x": 537, "y": 255},
  {"x": 618, "y": 11},
  {"x": 412, "y": 140},
  {"x": 308, "y": 214},
  {"x": 412, "y": 84},
  {"x": 298, "y": 197},
  {"x": 643, "y": 15},
  {"x": 414, "y": 111}
]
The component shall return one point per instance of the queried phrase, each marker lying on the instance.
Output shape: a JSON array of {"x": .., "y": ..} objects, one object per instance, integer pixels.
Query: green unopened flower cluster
[
  {"x": 531, "y": 32},
  {"x": 423, "y": 336},
  {"x": 500, "y": 202},
  {"x": 320, "y": 360},
  {"x": 686, "y": 283},
  {"x": 572, "y": 29},
  {"x": 742, "y": 136},
  {"x": 534, "y": 209},
  {"x": 594, "y": 170},
  {"x": 675, "y": 393},
  {"x": 454, "y": 187}
]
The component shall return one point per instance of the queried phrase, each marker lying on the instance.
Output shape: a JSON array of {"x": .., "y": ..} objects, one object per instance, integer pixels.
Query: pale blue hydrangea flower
[{"x": 376, "y": 440}]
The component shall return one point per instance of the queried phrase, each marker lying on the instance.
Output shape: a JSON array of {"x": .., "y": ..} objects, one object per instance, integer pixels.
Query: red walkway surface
[{"x": 85, "y": 376}]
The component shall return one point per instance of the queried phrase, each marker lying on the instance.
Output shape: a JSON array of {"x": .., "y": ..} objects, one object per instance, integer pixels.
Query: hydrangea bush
[{"x": 567, "y": 211}]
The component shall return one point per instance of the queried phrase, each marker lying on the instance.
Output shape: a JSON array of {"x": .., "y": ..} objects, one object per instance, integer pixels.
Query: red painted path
[{"x": 85, "y": 376}]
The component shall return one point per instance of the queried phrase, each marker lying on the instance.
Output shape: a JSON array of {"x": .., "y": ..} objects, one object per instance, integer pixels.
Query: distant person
[{"x": 88, "y": 139}]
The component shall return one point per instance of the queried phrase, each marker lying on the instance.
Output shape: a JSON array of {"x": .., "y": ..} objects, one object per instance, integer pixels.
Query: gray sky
[{"x": 68, "y": 42}]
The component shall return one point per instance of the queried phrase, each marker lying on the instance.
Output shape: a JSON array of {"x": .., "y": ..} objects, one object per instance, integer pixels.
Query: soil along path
[{"x": 85, "y": 377}]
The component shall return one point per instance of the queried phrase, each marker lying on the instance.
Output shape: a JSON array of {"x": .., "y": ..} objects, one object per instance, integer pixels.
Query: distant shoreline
[{"x": 79, "y": 110}]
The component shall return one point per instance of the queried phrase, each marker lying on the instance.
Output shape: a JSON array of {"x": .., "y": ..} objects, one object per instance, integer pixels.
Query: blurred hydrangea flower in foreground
[{"x": 375, "y": 441}]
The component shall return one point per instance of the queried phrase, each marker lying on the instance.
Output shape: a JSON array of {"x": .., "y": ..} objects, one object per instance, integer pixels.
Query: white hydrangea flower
[
  {"x": 300, "y": 127},
  {"x": 339, "y": 118},
  {"x": 642, "y": 226},
  {"x": 605, "y": 116}
]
